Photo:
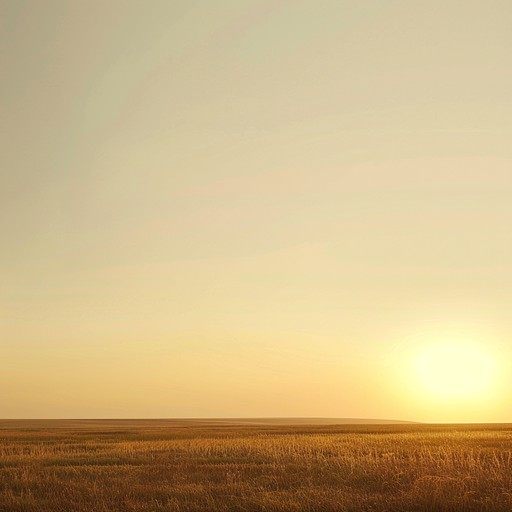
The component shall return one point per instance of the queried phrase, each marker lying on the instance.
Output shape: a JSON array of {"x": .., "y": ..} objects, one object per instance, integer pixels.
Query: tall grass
[{"x": 180, "y": 466}]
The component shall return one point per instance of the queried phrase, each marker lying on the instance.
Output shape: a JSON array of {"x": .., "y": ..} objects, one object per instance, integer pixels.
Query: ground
[{"x": 171, "y": 465}]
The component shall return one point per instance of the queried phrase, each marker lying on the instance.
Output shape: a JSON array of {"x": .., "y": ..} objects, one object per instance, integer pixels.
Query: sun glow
[
  {"x": 455, "y": 370},
  {"x": 455, "y": 375}
]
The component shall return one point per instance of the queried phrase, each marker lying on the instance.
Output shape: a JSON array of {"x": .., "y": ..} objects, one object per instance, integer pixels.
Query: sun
[{"x": 455, "y": 370}]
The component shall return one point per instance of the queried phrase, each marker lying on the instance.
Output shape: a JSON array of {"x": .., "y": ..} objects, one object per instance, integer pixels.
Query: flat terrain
[{"x": 181, "y": 465}]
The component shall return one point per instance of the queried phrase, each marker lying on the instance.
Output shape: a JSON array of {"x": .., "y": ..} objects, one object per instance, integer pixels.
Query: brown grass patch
[{"x": 178, "y": 466}]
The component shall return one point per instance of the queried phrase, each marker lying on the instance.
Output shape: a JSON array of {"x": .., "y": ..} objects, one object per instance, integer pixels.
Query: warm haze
[{"x": 256, "y": 209}]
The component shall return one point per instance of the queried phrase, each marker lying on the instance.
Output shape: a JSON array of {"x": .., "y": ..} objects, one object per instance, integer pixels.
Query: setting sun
[{"x": 455, "y": 370}]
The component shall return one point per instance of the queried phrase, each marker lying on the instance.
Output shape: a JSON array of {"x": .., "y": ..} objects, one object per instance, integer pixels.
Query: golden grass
[{"x": 209, "y": 466}]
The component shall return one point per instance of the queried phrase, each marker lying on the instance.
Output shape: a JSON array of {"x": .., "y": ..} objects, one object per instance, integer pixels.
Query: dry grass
[{"x": 192, "y": 466}]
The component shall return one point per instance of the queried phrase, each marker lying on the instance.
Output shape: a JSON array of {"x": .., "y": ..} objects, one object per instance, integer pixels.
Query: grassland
[{"x": 182, "y": 466}]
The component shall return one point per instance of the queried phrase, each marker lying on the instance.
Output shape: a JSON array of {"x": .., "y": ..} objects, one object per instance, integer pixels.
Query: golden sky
[{"x": 255, "y": 208}]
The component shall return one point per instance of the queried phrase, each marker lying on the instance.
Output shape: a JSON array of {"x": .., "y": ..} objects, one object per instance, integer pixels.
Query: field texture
[{"x": 87, "y": 466}]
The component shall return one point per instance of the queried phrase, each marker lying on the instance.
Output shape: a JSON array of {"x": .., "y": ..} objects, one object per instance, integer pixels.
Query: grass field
[{"x": 100, "y": 466}]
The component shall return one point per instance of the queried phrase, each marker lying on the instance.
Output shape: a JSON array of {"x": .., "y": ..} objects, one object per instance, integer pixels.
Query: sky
[{"x": 242, "y": 208}]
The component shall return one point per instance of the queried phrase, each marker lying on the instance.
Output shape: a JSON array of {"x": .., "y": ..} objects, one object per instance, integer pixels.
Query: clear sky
[{"x": 256, "y": 208}]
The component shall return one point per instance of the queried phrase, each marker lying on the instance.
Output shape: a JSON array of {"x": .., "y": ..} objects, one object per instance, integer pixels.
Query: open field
[{"x": 164, "y": 465}]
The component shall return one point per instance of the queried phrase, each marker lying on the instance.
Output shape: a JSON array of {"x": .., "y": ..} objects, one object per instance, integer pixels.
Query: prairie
[{"x": 181, "y": 465}]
